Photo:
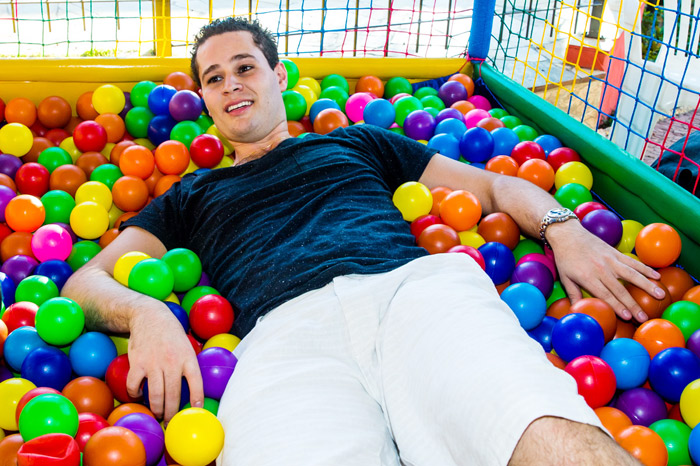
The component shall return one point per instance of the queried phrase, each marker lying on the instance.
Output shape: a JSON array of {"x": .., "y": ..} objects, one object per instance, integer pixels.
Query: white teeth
[{"x": 239, "y": 105}]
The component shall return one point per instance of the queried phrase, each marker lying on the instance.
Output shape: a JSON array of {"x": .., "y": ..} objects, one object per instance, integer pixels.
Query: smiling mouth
[{"x": 231, "y": 108}]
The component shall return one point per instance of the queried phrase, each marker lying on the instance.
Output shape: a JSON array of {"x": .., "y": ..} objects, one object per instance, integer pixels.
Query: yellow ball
[
  {"x": 690, "y": 403},
  {"x": 107, "y": 150},
  {"x": 123, "y": 266},
  {"x": 633, "y": 256},
  {"x": 630, "y": 230},
  {"x": 228, "y": 148},
  {"x": 108, "y": 98},
  {"x": 573, "y": 172},
  {"x": 311, "y": 83},
  {"x": 89, "y": 220},
  {"x": 194, "y": 437},
  {"x": 471, "y": 238},
  {"x": 145, "y": 142},
  {"x": 96, "y": 192},
  {"x": 225, "y": 162},
  {"x": 15, "y": 139},
  {"x": 308, "y": 94},
  {"x": 11, "y": 390},
  {"x": 413, "y": 200},
  {"x": 223, "y": 340},
  {"x": 114, "y": 214},
  {"x": 69, "y": 146},
  {"x": 121, "y": 343}
]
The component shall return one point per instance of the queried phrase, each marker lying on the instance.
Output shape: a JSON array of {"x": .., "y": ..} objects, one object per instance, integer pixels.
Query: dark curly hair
[{"x": 262, "y": 38}]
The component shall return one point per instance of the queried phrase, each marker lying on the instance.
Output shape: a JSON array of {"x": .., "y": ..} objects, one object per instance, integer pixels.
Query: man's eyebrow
[{"x": 240, "y": 56}]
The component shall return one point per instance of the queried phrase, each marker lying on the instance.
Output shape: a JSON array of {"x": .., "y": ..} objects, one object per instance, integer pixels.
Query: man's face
[{"x": 242, "y": 93}]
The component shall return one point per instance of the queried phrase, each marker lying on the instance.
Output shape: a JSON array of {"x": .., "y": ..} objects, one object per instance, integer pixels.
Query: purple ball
[
  {"x": 204, "y": 281},
  {"x": 605, "y": 225},
  {"x": 149, "y": 431},
  {"x": 68, "y": 228},
  {"x": 419, "y": 124},
  {"x": 127, "y": 105},
  {"x": 446, "y": 113},
  {"x": 5, "y": 374},
  {"x": 19, "y": 267},
  {"x": 693, "y": 343},
  {"x": 9, "y": 164},
  {"x": 6, "y": 195},
  {"x": 536, "y": 274},
  {"x": 217, "y": 365},
  {"x": 643, "y": 406},
  {"x": 451, "y": 92},
  {"x": 185, "y": 105}
]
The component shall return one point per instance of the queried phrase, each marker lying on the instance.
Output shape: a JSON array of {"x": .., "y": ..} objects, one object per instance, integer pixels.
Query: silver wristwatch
[{"x": 558, "y": 215}]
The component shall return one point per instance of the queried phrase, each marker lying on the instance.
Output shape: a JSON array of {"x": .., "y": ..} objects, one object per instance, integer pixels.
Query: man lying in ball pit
[{"x": 359, "y": 348}]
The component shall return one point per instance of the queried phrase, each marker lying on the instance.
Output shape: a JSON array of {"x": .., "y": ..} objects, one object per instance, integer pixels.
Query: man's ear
[{"x": 281, "y": 72}]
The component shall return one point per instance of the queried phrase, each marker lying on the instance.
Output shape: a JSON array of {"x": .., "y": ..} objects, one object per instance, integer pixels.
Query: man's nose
[{"x": 232, "y": 84}]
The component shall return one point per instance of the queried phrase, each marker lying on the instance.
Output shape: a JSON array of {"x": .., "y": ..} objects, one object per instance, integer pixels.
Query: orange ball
[
  {"x": 489, "y": 124},
  {"x": 439, "y": 193},
  {"x": 559, "y": 308},
  {"x": 503, "y": 164},
  {"x": 556, "y": 361},
  {"x": 614, "y": 420},
  {"x": 601, "y": 311},
  {"x": 463, "y": 106},
  {"x": 658, "y": 334},
  {"x": 67, "y": 178},
  {"x": 3, "y": 335},
  {"x": 137, "y": 161},
  {"x": 180, "y": 81},
  {"x": 130, "y": 193},
  {"x": 677, "y": 281},
  {"x": 9, "y": 446},
  {"x": 692, "y": 294},
  {"x": 624, "y": 329},
  {"x": 438, "y": 238},
  {"x": 537, "y": 172},
  {"x": 295, "y": 128},
  {"x": 25, "y": 213},
  {"x": 500, "y": 227},
  {"x": 164, "y": 184},
  {"x": 74, "y": 121},
  {"x": 127, "y": 408},
  {"x": 152, "y": 180},
  {"x": 7, "y": 181},
  {"x": 90, "y": 160},
  {"x": 123, "y": 218},
  {"x": 329, "y": 119},
  {"x": 466, "y": 81},
  {"x": 113, "y": 124},
  {"x": 16, "y": 243},
  {"x": 650, "y": 305},
  {"x": 90, "y": 395},
  {"x": 172, "y": 157},
  {"x": 371, "y": 84},
  {"x": 38, "y": 146},
  {"x": 54, "y": 112},
  {"x": 117, "y": 150},
  {"x": 501, "y": 288},
  {"x": 644, "y": 444},
  {"x": 460, "y": 209},
  {"x": 20, "y": 110},
  {"x": 84, "y": 107},
  {"x": 108, "y": 236},
  {"x": 116, "y": 446},
  {"x": 658, "y": 245}
]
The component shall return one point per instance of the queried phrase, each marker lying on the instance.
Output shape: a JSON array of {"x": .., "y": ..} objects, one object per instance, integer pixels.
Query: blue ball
[
  {"x": 694, "y": 444},
  {"x": 476, "y": 145},
  {"x": 504, "y": 140},
  {"x": 321, "y": 104},
  {"x": 379, "y": 112},
  {"x": 159, "y": 128},
  {"x": 159, "y": 99},
  {"x": 180, "y": 313},
  {"x": 542, "y": 334},
  {"x": 629, "y": 361},
  {"x": 671, "y": 370},
  {"x": 91, "y": 353},
  {"x": 577, "y": 335},
  {"x": 8, "y": 287},
  {"x": 19, "y": 344},
  {"x": 548, "y": 143},
  {"x": 446, "y": 144},
  {"x": 527, "y": 303},
  {"x": 47, "y": 367},
  {"x": 499, "y": 261},
  {"x": 57, "y": 271},
  {"x": 451, "y": 126},
  {"x": 184, "y": 394}
]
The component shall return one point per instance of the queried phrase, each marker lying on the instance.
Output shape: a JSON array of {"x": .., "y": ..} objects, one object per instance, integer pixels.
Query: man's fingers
[
  {"x": 194, "y": 381},
  {"x": 133, "y": 381},
  {"x": 624, "y": 305},
  {"x": 173, "y": 387},
  {"x": 571, "y": 288},
  {"x": 156, "y": 393}
]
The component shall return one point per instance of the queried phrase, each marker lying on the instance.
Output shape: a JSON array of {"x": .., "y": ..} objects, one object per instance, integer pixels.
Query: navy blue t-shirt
[{"x": 309, "y": 210}]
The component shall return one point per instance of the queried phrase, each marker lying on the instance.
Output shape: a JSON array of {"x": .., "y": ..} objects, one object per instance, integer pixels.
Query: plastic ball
[
  {"x": 53, "y": 157},
  {"x": 527, "y": 150},
  {"x": 159, "y": 99},
  {"x": 397, "y": 85},
  {"x": 49, "y": 449},
  {"x": 572, "y": 195},
  {"x": 206, "y": 151},
  {"x": 11, "y": 391},
  {"x": 148, "y": 431},
  {"x": 186, "y": 268},
  {"x": 419, "y": 125},
  {"x": 329, "y": 119},
  {"x": 159, "y": 128},
  {"x": 47, "y": 367},
  {"x": 337, "y": 94},
  {"x": 671, "y": 370},
  {"x": 594, "y": 378},
  {"x": 152, "y": 277},
  {"x": 88, "y": 424},
  {"x": 452, "y": 91},
  {"x": 81, "y": 254},
  {"x": 460, "y": 209},
  {"x": 438, "y": 238},
  {"x": 476, "y": 145},
  {"x": 503, "y": 165},
  {"x": 658, "y": 245},
  {"x": 644, "y": 444},
  {"x": 587, "y": 207},
  {"x": 211, "y": 315},
  {"x": 643, "y": 406},
  {"x": 59, "y": 321},
  {"x": 136, "y": 161},
  {"x": 677, "y": 281},
  {"x": 185, "y": 105},
  {"x": 562, "y": 155},
  {"x": 108, "y": 99},
  {"x": 542, "y": 333},
  {"x": 651, "y": 305},
  {"x": 139, "y": 93},
  {"x": 194, "y": 437},
  {"x": 535, "y": 274},
  {"x": 217, "y": 366},
  {"x": 91, "y": 353},
  {"x": 15, "y": 139},
  {"x": 47, "y": 414},
  {"x": 675, "y": 435},
  {"x": 573, "y": 172},
  {"x": 130, "y": 193},
  {"x": 137, "y": 121},
  {"x": 504, "y": 141},
  {"x": 379, "y": 112},
  {"x": 527, "y": 303},
  {"x": 499, "y": 261},
  {"x": 577, "y": 335},
  {"x": 537, "y": 172},
  {"x": 413, "y": 200},
  {"x": 613, "y": 419},
  {"x": 89, "y": 136},
  {"x": 9, "y": 447},
  {"x": 604, "y": 224},
  {"x": 114, "y": 125},
  {"x": 36, "y": 289},
  {"x": 115, "y": 377},
  {"x": 89, "y": 394},
  {"x": 25, "y": 213},
  {"x": 89, "y": 220},
  {"x": 33, "y": 179},
  {"x": 294, "y": 105},
  {"x": 500, "y": 227},
  {"x": 19, "y": 267},
  {"x": 548, "y": 142},
  {"x": 114, "y": 446}
]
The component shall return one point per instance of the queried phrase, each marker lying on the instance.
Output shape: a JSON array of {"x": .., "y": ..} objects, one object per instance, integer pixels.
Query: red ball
[
  {"x": 438, "y": 238},
  {"x": 32, "y": 178},
  {"x": 116, "y": 374},
  {"x": 527, "y": 150},
  {"x": 49, "y": 450},
  {"x": 116, "y": 446},
  {"x": 206, "y": 151},
  {"x": 472, "y": 252},
  {"x": 57, "y": 135},
  {"x": 90, "y": 136},
  {"x": 88, "y": 424},
  {"x": 329, "y": 119},
  {"x": 423, "y": 222},
  {"x": 19, "y": 314},
  {"x": 562, "y": 155},
  {"x": 211, "y": 315},
  {"x": 197, "y": 346},
  {"x": 587, "y": 207},
  {"x": 595, "y": 379}
]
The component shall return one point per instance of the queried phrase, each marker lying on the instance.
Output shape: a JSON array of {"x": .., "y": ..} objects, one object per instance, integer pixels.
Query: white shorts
[{"x": 423, "y": 365}]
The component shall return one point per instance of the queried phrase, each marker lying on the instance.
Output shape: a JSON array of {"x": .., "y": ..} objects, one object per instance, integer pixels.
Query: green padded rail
[{"x": 635, "y": 190}]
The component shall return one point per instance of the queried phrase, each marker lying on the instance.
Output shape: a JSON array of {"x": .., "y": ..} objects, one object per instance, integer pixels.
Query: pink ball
[
  {"x": 475, "y": 116},
  {"x": 355, "y": 105},
  {"x": 480, "y": 102},
  {"x": 534, "y": 256},
  {"x": 51, "y": 242}
]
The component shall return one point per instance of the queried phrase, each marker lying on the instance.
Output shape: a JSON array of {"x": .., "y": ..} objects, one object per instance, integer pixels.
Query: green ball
[
  {"x": 335, "y": 80},
  {"x": 204, "y": 122},
  {"x": 58, "y": 205},
  {"x": 152, "y": 277},
  {"x": 194, "y": 294},
  {"x": 497, "y": 113},
  {"x": 525, "y": 132},
  {"x": 686, "y": 315},
  {"x": 59, "y": 321},
  {"x": 432, "y": 110},
  {"x": 432, "y": 101},
  {"x": 49, "y": 413},
  {"x": 571, "y": 195},
  {"x": 106, "y": 174},
  {"x": 81, "y": 253},
  {"x": 404, "y": 106},
  {"x": 336, "y": 94},
  {"x": 36, "y": 289},
  {"x": 292, "y": 72},
  {"x": 186, "y": 268},
  {"x": 294, "y": 105},
  {"x": 210, "y": 404},
  {"x": 53, "y": 157},
  {"x": 425, "y": 92},
  {"x": 511, "y": 121},
  {"x": 398, "y": 130},
  {"x": 675, "y": 435},
  {"x": 396, "y": 86},
  {"x": 139, "y": 93},
  {"x": 526, "y": 246},
  {"x": 185, "y": 132},
  {"x": 137, "y": 120},
  {"x": 557, "y": 293}
]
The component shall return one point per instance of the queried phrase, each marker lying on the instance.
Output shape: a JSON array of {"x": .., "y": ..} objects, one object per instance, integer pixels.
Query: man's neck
[{"x": 247, "y": 151}]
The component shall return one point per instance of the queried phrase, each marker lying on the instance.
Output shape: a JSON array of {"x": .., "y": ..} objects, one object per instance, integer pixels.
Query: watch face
[{"x": 560, "y": 212}]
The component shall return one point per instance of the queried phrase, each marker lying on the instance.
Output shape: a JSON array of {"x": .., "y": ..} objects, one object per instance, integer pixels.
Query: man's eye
[
  {"x": 244, "y": 68},
  {"x": 213, "y": 79}
]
